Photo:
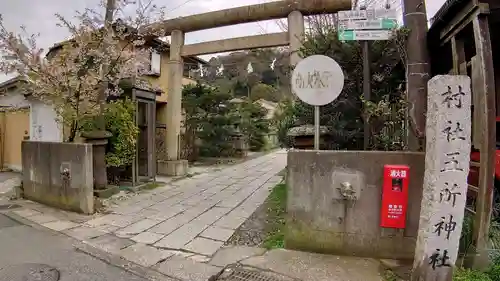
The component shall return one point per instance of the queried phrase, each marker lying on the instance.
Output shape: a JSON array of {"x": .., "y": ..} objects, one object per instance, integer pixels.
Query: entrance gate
[{"x": 294, "y": 10}]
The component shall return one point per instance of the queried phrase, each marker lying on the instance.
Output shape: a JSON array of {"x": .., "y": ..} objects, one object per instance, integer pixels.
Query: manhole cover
[
  {"x": 4, "y": 207},
  {"x": 29, "y": 272},
  {"x": 240, "y": 273}
]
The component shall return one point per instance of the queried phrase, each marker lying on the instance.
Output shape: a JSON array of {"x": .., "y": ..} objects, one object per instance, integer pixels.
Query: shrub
[
  {"x": 462, "y": 274},
  {"x": 494, "y": 272},
  {"x": 210, "y": 118},
  {"x": 120, "y": 122},
  {"x": 254, "y": 125},
  {"x": 121, "y": 150}
]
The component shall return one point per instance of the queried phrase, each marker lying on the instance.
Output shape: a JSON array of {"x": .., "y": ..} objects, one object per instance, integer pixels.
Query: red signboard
[{"x": 394, "y": 196}]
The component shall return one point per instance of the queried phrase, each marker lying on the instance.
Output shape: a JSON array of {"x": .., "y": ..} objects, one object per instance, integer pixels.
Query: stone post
[
  {"x": 99, "y": 140},
  {"x": 296, "y": 35},
  {"x": 448, "y": 136},
  {"x": 174, "y": 166}
]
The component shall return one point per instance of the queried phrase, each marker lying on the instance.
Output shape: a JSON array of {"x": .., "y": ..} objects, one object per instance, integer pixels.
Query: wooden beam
[
  {"x": 460, "y": 68},
  {"x": 477, "y": 131},
  {"x": 462, "y": 20},
  {"x": 458, "y": 53},
  {"x": 487, "y": 102},
  {"x": 235, "y": 44},
  {"x": 463, "y": 68},
  {"x": 458, "y": 19}
]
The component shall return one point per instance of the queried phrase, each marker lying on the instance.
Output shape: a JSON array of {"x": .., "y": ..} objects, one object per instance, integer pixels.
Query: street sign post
[
  {"x": 366, "y": 25},
  {"x": 317, "y": 80}
]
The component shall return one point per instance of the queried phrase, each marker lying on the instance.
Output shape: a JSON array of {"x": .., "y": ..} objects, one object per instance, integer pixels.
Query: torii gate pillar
[
  {"x": 296, "y": 35},
  {"x": 174, "y": 166}
]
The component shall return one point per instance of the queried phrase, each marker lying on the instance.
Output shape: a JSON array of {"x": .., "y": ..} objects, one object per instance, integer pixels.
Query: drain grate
[
  {"x": 9, "y": 206},
  {"x": 29, "y": 272},
  {"x": 250, "y": 274}
]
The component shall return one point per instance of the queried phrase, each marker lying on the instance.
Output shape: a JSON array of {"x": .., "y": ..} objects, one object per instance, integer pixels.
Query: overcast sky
[{"x": 38, "y": 16}]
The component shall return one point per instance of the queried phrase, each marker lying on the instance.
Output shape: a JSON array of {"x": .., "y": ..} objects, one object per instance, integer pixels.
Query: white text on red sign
[{"x": 398, "y": 174}]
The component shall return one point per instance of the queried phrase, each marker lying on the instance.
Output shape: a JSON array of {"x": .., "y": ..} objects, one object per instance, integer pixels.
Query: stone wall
[
  {"x": 59, "y": 175},
  {"x": 319, "y": 220}
]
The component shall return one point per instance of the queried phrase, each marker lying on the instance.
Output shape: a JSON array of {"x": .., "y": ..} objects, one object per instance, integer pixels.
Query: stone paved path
[{"x": 181, "y": 224}]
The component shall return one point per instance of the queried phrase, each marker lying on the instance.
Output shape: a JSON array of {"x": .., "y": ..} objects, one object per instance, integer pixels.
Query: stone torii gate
[{"x": 294, "y": 10}]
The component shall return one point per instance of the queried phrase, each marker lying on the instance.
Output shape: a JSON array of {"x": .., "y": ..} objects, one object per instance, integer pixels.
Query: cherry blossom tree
[{"x": 71, "y": 75}]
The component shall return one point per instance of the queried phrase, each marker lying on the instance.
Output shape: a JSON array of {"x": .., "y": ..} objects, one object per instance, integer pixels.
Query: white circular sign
[{"x": 317, "y": 80}]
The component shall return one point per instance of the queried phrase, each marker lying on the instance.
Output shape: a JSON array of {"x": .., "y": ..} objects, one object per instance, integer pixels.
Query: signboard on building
[{"x": 374, "y": 24}]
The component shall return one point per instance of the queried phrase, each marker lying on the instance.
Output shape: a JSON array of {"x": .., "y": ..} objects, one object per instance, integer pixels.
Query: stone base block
[
  {"x": 172, "y": 168},
  {"x": 107, "y": 192}
]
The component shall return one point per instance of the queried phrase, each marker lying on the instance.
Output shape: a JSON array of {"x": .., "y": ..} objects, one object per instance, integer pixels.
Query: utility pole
[
  {"x": 108, "y": 21},
  {"x": 417, "y": 71},
  {"x": 99, "y": 137}
]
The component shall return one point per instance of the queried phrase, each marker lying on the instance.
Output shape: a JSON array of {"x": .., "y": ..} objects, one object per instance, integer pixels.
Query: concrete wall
[
  {"x": 59, "y": 175},
  {"x": 320, "y": 221}
]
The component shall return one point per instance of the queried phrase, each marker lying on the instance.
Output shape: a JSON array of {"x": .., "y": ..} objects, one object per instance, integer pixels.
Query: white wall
[{"x": 43, "y": 124}]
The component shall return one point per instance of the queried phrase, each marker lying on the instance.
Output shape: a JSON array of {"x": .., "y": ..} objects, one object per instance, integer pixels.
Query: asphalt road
[{"x": 21, "y": 244}]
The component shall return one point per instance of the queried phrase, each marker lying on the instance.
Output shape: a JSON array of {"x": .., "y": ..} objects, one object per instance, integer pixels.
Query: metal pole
[
  {"x": 316, "y": 127},
  {"x": 366, "y": 90}
]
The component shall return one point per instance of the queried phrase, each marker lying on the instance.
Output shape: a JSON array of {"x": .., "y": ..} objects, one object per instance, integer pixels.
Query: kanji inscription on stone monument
[{"x": 448, "y": 134}]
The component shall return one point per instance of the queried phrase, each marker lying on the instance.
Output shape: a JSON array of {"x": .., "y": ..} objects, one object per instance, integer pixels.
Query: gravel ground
[
  {"x": 263, "y": 222},
  {"x": 253, "y": 231}
]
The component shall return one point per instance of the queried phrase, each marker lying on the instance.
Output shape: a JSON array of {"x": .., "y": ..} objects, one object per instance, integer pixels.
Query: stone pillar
[
  {"x": 174, "y": 166},
  {"x": 99, "y": 140},
  {"x": 296, "y": 35},
  {"x": 448, "y": 137}
]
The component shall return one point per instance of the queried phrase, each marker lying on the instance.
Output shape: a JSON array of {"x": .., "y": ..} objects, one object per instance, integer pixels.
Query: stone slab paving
[
  {"x": 316, "y": 267},
  {"x": 177, "y": 228},
  {"x": 187, "y": 269}
]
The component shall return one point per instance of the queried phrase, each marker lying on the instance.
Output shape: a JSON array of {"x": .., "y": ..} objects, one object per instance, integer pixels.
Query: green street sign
[
  {"x": 368, "y": 35},
  {"x": 368, "y": 24},
  {"x": 346, "y": 35},
  {"x": 389, "y": 24}
]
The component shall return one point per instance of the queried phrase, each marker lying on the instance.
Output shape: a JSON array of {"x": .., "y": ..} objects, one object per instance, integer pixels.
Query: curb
[{"x": 108, "y": 258}]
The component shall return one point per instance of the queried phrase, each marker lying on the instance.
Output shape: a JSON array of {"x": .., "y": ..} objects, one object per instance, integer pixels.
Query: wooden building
[{"x": 463, "y": 39}]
